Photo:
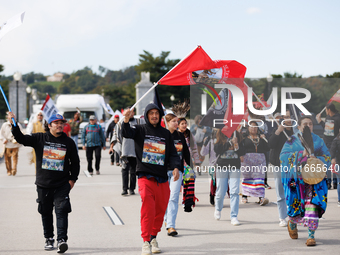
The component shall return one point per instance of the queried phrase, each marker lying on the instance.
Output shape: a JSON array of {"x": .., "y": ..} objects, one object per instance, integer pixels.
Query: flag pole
[
  {"x": 155, "y": 84},
  {"x": 140, "y": 99},
  {"x": 322, "y": 110},
  {"x": 278, "y": 124},
  {"x": 8, "y": 106},
  {"x": 293, "y": 106}
]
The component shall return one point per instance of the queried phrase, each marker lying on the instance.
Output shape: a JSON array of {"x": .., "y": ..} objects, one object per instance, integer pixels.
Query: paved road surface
[{"x": 91, "y": 230}]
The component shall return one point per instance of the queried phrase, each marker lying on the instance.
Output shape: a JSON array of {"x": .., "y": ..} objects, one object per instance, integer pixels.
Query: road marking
[
  {"x": 87, "y": 173},
  {"x": 113, "y": 216}
]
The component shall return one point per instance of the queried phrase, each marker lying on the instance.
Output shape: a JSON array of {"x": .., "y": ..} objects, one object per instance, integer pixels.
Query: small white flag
[
  {"x": 10, "y": 24},
  {"x": 49, "y": 107},
  {"x": 106, "y": 107}
]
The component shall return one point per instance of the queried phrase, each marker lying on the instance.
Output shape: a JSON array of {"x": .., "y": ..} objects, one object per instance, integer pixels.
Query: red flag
[
  {"x": 181, "y": 74},
  {"x": 335, "y": 97},
  {"x": 199, "y": 68}
]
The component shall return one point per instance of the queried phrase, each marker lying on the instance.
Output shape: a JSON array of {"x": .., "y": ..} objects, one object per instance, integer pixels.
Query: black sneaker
[
  {"x": 132, "y": 192},
  {"x": 62, "y": 246},
  {"x": 329, "y": 185},
  {"x": 335, "y": 185},
  {"x": 212, "y": 199},
  {"x": 124, "y": 193},
  {"x": 49, "y": 244}
]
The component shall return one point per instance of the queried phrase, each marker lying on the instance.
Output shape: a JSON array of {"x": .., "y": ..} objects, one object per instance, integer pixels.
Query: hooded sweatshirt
[
  {"x": 57, "y": 157},
  {"x": 154, "y": 147},
  {"x": 331, "y": 128},
  {"x": 182, "y": 149}
]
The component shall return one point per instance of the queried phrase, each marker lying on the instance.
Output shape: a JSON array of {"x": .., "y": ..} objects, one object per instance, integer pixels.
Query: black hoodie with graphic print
[
  {"x": 154, "y": 146},
  {"x": 57, "y": 157},
  {"x": 182, "y": 149}
]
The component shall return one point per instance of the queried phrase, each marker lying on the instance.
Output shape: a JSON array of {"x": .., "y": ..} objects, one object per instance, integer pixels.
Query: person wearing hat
[
  {"x": 109, "y": 134},
  {"x": 57, "y": 170},
  {"x": 93, "y": 141},
  {"x": 331, "y": 127}
]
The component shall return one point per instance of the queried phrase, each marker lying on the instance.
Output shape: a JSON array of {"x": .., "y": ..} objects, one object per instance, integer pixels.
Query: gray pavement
[{"x": 91, "y": 231}]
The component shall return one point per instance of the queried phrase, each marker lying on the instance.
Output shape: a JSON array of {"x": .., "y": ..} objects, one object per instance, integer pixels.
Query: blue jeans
[
  {"x": 171, "y": 212},
  {"x": 75, "y": 139},
  {"x": 280, "y": 195},
  {"x": 223, "y": 179}
]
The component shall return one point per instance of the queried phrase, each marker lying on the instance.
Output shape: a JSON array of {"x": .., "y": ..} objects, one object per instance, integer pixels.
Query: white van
[{"x": 88, "y": 104}]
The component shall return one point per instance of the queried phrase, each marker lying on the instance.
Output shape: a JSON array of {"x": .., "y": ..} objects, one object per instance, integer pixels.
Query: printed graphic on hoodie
[
  {"x": 154, "y": 151},
  {"x": 329, "y": 128},
  {"x": 53, "y": 158},
  {"x": 179, "y": 147}
]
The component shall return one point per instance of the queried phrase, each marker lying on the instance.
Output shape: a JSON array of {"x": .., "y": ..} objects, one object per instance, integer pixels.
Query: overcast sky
[{"x": 266, "y": 36}]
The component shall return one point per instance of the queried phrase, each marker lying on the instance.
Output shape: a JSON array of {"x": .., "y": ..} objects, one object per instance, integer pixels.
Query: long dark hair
[
  {"x": 187, "y": 132},
  {"x": 46, "y": 128}
]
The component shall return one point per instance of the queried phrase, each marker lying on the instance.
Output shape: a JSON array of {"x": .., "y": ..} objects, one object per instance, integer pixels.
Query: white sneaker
[
  {"x": 264, "y": 201},
  {"x": 283, "y": 223},
  {"x": 146, "y": 249},
  {"x": 154, "y": 246},
  {"x": 217, "y": 215},
  {"x": 234, "y": 221}
]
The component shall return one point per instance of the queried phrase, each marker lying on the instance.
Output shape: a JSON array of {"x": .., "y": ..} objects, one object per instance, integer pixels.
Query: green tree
[
  {"x": 1, "y": 69},
  {"x": 30, "y": 78},
  {"x": 158, "y": 67},
  {"x": 121, "y": 97},
  {"x": 334, "y": 75},
  {"x": 81, "y": 81}
]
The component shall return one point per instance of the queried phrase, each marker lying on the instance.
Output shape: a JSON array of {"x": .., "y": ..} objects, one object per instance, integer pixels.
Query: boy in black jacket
[
  {"x": 57, "y": 170},
  {"x": 155, "y": 150}
]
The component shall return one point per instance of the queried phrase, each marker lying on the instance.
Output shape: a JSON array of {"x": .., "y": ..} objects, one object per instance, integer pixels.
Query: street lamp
[
  {"x": 29, "y": 91},
  {"x": 17, "y": 78},
  {"x": 269, "y": 80},
  {"x": 172, "y": 98}
]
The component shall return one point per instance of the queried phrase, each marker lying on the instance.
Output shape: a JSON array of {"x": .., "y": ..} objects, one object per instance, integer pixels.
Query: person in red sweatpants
[
  {"x": 155, "y": 154},
  {"x": 155, "y": 197}
]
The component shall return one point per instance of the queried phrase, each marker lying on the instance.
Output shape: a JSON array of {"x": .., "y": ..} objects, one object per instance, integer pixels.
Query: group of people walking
[
  {"x": 302, "y": 199},
  {"x": 163, "y": 160}
]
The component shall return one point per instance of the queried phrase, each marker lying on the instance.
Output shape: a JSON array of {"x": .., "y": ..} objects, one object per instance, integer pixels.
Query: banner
[{"x": 49, "y": 107}]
